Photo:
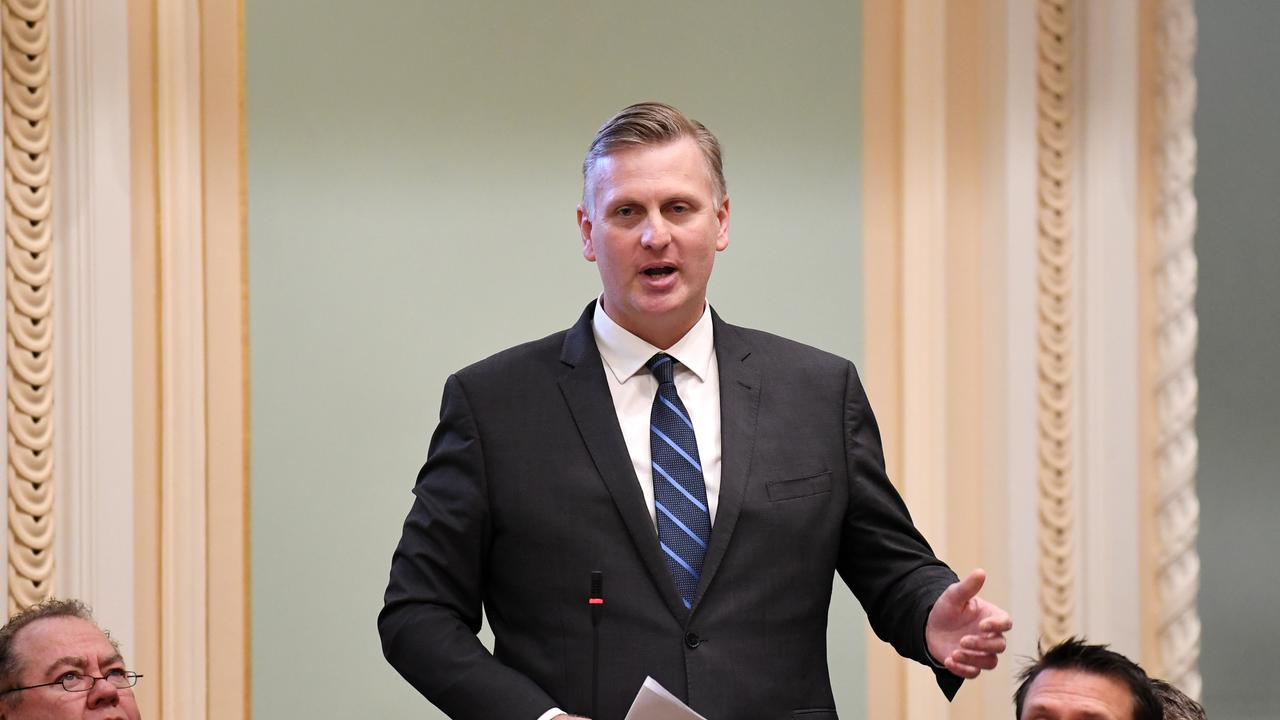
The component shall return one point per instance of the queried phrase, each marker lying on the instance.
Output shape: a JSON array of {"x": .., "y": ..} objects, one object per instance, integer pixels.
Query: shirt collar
[{"x": 625, "y": 354}]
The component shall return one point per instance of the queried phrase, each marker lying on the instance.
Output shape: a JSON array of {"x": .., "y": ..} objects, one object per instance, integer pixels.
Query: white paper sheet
[{"x": 653, "y": 702}]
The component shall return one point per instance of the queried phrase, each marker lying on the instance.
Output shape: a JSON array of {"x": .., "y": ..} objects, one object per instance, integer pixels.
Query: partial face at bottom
[
  {"x": 48, "y": 649},
  {"x": 1075, "y": 695}
]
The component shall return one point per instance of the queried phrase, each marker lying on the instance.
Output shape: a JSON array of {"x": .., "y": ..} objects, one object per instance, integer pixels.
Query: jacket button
[{"x": 691, "y": 640}]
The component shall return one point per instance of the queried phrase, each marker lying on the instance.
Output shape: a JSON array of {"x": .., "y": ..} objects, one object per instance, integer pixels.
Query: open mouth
[{"x": 662, "y": 271}]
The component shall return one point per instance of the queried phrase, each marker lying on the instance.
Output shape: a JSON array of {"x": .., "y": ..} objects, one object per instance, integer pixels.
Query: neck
[{"x": 659, "y": 331}]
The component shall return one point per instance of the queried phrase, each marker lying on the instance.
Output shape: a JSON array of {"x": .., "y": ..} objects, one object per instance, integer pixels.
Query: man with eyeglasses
[{"x": 56, "y": 663}]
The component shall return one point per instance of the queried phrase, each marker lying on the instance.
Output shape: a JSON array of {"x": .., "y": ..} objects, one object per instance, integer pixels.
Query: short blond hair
[{"x": 653, "y": 123}]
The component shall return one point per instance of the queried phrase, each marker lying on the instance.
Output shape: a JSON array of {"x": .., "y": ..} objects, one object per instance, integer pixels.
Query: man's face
[
  {"x": 51, "y": 647},
  {"x": 1075, "y": 695},
  {"x": 653, "y": 225}
]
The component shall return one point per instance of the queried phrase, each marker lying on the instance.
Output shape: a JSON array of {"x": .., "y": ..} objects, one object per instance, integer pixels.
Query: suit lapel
[
  {"x": 739, "y": 408},
  {"x": 586, "y": 391}
]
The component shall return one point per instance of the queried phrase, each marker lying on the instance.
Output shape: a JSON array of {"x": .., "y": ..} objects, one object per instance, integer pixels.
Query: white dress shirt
[{"x": 697, "y": 378}]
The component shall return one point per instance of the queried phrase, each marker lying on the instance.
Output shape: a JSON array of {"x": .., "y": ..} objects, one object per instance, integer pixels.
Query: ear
[
  {"x": 584, "y": 227},
  {"x": 722, "y": 217}
]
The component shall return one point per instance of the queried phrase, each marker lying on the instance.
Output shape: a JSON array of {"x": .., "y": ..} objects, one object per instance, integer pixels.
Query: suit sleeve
[
  {"x": 432, "y": 607},
  {"x": 884, "y": 559}
]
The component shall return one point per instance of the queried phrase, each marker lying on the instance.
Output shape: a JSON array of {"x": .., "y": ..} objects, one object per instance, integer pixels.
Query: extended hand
[{"x": 964, "y": 632}]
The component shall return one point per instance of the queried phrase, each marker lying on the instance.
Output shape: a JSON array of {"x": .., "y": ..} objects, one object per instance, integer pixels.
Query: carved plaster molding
[
  {"x": 1174, "y": 384},
  {"x": 28, "y": 299},
  {"x": 1056, "y": 254}
]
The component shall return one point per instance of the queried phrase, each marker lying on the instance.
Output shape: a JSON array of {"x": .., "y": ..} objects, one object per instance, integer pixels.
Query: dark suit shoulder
[
  {"x": 537, "y": 364},
  {"x": 516, "y": 363},
  {"x": 774, "y": 350}
]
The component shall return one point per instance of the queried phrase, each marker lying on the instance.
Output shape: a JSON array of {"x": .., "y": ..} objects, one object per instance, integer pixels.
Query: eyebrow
[
  {"x": 73, "y": 661},
  {"x": 79, "y": 662},
  {"x": 1035, "y": 707}
]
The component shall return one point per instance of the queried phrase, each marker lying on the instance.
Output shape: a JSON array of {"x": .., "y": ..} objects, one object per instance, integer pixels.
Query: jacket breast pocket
[{"x": 799, "y": 487}]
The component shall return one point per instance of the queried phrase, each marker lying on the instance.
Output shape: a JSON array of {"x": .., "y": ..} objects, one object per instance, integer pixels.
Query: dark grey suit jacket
[{"x": 528, "y": 487}]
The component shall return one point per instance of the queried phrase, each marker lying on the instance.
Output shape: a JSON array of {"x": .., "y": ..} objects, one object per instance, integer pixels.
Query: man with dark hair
[
  {"x": 57, "y": 664},
  {"x": 1176, "y": 704},
  {"x": 1074, "y": 680},
  {"x": 712, "y": 480}
]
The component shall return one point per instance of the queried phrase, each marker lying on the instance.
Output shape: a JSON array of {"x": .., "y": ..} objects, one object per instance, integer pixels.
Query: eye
[
  {"x": 115, "y": 674},
  {"x": 679, "y": 208},
  {"x": 626, "y": 211},
  {"x": 69, "y": 676}
]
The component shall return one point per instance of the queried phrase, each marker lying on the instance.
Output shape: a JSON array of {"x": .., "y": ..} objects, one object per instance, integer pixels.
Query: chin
[{"x": 673, "y": 301}]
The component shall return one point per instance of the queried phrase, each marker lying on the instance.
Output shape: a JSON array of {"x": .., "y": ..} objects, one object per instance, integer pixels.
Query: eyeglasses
[{"x": 76, "y": 682}]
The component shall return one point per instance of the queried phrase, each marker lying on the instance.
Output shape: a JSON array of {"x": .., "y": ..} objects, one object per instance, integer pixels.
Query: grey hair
[{"x": 10, "y": 667}]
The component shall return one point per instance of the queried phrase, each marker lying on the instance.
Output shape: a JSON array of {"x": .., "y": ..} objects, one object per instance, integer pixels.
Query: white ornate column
[
  {"x": 1169, "y": 334},
  {"x": 1031, "y": 157}
]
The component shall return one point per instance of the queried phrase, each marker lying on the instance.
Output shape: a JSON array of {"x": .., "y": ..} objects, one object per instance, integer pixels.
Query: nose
[
  {"x": 657, "y": 233},
  {"x": 103, "y": 694}
]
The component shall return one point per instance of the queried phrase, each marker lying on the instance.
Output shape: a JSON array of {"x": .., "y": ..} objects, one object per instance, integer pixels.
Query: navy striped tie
[{"x": 679, "y": 493}]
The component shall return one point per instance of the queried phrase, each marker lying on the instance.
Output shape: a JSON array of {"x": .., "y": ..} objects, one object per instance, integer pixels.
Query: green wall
[
  {"x": 1239, "y": 311},
  {"x": 413, "y": 169}
]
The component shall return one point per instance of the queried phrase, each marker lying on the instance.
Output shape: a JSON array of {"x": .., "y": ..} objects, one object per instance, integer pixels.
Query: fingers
[
  {"x": 969, "y": 664},
  {"x": 993, "y": 644},
  {"x": 967, "y": 672},
  {"x": 996, "y": 624},
  {"x": 968, "y": 588},
  {"x": 995, "y": 619},
  {"x": 979, "y": 660}
]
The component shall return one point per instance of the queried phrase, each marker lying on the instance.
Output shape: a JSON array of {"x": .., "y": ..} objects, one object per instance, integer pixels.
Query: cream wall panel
[
  {"x": 93, "y": 293},
  {"x": 987, "y": 147},
  {"x": 226, "y": 381},
  {"x": 146, "y": 352},
  {"x": 190, "y": 345},
  {"x": 937, "y": 285},
  {"x": 924, "y": 299},
  {"x": 1019, "y": 315},
  {"x": 183, "y": 538},
  {"x": 882, "y": 263},
  {"x": 1110, "y": 583}
]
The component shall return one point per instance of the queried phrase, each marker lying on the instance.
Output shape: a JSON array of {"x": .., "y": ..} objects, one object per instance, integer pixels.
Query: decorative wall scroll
[
  {"x": 28, "y": 302},
  {"x": 1177, "y": 509},
  {"x": 1055, "y": 152}
]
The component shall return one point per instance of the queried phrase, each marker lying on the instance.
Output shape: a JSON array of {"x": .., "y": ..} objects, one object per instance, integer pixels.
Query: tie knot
[{"x": 663, "y": 367}]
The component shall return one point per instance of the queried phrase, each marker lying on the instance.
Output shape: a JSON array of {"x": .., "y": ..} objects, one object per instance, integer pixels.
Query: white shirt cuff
[{"x": 550, "y": 714}]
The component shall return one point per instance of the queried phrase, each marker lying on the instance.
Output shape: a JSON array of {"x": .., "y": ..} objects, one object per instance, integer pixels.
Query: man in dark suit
[{"x": 716, "y": 477}]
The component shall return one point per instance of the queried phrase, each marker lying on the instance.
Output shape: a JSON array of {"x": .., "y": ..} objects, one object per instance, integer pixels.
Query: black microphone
[{"x": 596, "y": 601}]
